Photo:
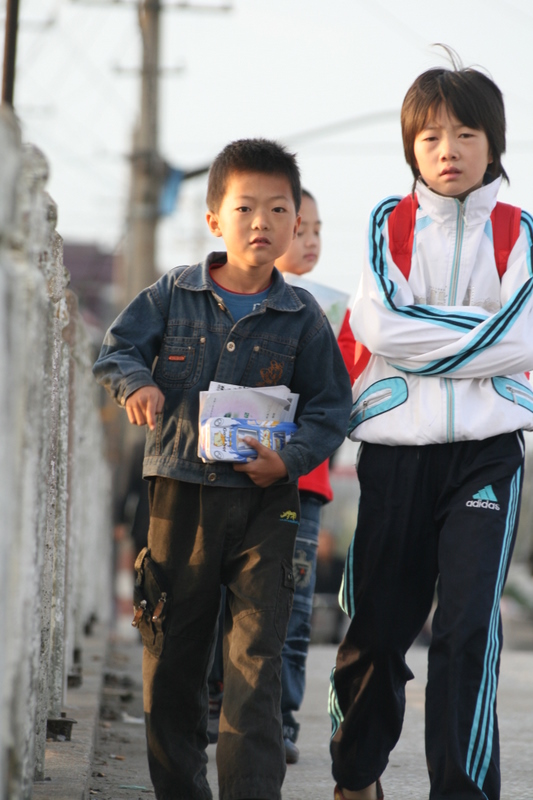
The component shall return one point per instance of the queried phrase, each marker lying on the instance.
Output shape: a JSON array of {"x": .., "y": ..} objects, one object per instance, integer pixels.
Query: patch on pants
[{"x": 302, "y": 569}]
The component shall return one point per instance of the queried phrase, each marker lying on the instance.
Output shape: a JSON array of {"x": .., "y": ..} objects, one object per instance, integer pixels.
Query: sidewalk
[
  {"x": 116, "y": 769},
  {"x": 68, "y": 763}
]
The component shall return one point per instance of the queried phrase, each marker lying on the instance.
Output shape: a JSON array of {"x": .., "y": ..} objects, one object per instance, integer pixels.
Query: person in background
[
  {"x": 315, "y": 490},
  {"x": 329, "y": 565},
  {"x": 132, "y": 512}
]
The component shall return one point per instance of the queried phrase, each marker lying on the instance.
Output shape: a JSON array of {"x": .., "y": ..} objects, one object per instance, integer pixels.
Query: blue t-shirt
[{"x": 240, "y": 304}]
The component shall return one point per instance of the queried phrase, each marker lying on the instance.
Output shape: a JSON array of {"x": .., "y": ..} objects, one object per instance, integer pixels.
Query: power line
[{"x": 359, "y": 121}]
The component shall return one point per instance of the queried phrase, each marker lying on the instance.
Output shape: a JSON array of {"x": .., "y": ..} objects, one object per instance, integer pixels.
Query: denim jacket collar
[{"x": 196, "y": 278}]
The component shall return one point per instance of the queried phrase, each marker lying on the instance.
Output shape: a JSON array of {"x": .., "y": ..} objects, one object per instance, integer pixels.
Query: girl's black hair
[{"x": 469, "y": 95}]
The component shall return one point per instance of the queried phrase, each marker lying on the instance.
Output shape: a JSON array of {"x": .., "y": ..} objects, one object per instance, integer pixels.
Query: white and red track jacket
[{"x": 450, "y": 343}]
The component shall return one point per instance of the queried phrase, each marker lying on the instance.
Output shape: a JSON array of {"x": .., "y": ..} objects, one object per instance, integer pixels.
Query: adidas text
[{"x": 483, "y": 504}]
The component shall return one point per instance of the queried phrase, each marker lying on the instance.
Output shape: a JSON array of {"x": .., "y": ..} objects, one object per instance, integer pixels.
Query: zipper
[
  {"x": 519, "y": 393},
  {"x": 374, "y": 400},
  {"x": 457, "y": 254},
  {"x": 449, "y": 409},
  {"x": 452, "y": 300}
]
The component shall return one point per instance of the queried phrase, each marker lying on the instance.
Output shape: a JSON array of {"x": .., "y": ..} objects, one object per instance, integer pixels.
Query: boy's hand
[
  {"x": 143, "y": 405},
  {"x": 264, "y": 470}
]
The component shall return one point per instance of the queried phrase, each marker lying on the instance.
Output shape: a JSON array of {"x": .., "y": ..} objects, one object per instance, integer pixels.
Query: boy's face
[
  {"x": 452, "y": 158},
  {"x": 304, "y": 250},
  {"x": 257, "y": 219}
]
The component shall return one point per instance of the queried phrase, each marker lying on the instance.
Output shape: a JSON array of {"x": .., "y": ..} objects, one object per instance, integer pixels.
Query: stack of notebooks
[{"x": 229, "y": 413}]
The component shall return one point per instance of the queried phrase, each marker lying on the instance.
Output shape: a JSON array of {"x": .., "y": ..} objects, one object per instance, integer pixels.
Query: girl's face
[
  {"x": 304, "y": 250},
  {"x": 452, "y": 158}
]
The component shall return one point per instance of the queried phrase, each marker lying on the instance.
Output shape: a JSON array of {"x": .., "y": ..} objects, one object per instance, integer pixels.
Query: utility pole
[
  {"x": 138, "y": 264},
  {"x": 146, "y": 164},
  {"x": 10, "y": 51}
]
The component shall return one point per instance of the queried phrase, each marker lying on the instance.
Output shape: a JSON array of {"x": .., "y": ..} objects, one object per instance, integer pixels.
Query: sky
[{"x": 326, "y": 78}]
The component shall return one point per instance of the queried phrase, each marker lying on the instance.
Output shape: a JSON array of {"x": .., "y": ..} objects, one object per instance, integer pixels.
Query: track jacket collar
[
  {"x": 476, "y": 208},
  {"x": 196, "y": 278}
]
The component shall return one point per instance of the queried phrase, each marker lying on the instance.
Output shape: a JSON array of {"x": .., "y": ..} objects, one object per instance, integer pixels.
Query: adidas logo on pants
[{"x": 485, "y": 498}]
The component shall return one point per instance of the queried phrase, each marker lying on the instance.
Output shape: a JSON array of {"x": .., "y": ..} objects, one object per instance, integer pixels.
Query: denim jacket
[{"x": 178, "y": 335}]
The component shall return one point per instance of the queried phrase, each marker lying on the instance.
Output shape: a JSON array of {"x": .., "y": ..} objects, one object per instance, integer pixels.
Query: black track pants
[
  {"x": 201, "y": 537},
  {"x": 442, "y": 515}
]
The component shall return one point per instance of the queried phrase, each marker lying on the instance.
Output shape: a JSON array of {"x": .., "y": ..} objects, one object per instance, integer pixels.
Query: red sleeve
[
  {"x": 346, "y": 342},
  {"x": 355, "y": 354},
  {"x": 317, "y": 481}
]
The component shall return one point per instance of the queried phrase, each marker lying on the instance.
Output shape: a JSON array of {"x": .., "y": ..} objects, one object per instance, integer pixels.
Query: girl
[{"x": 439, "y": 407}]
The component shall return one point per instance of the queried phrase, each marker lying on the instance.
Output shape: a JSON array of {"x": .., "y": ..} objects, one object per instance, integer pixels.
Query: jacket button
[
  {"x": 212, "y": 477},
  {"x": 230, "y": 346}
]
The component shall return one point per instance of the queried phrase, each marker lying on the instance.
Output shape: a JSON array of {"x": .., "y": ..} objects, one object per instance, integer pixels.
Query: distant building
[{"x": 92, "y": 278}]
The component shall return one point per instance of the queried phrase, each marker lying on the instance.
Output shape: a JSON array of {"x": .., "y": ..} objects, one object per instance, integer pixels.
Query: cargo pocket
[
  {"x": 150, "y": 602},
  {"x": 284, "y": 599}
]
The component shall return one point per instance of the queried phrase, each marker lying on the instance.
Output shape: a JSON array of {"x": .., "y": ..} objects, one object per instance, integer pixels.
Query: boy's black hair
[
  {"x": 252, "y": 155},
  {"x": 470, "y": 95}
]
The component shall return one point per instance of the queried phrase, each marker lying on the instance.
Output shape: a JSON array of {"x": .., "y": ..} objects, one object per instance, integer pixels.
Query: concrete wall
[{"x": 55, "y": 540}]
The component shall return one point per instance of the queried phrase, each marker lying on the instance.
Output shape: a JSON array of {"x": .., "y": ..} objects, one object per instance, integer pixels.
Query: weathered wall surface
[{"x": 55, "y": 542}]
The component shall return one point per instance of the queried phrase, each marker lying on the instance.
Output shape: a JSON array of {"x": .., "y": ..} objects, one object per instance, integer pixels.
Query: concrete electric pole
[
  {"x": 138, "y": 269},
  {"x": 146, "y": 164}
]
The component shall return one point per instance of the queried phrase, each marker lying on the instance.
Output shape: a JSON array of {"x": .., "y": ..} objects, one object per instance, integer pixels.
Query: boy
[
  {"x": 442, "y": 452},
  {"x": 234, "y": 320},
  {"x": 315, "y": 490}
]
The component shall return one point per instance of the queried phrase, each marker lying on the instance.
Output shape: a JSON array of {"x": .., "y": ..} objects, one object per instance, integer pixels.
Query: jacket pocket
[
  {"x": 180, "y": 360},
  {"x": 268, "y": 368},
  {"x": 380, "y": 397},
  {"x": 150, "y": 602},
  {"x": 514, "y": 391}
]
